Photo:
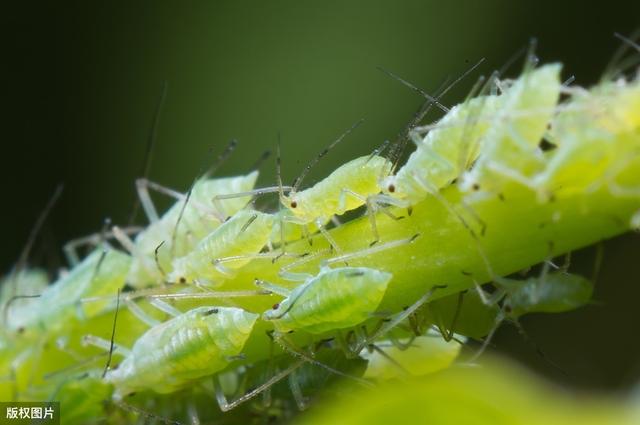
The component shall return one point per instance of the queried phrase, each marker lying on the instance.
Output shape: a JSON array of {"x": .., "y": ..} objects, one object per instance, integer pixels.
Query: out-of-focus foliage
[{"x": 493, "y": 394}]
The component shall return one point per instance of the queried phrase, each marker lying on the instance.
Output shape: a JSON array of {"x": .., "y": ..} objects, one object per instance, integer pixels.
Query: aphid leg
[
  {"x": 371, "y": 210},
  {"x": 105, "y": 345},
  {"x": 487, "y": 339},
  {"x": 123, "y": 238},
  {"x": 139, "y": 313},
  {"x": 489, "y": 299},
  {"x": 390, "y": 359},
  {"x": 273, "y": 288},
  {"x": 225, "y": 405},
  {"x": 287, "y": 345},
  {"x": 301, "y": 401},
  {"x": 192, "y": 413},
  {"x": 142, "y": 187},
  {"x": 72, "y": 247},
  {"x": 165, "y": 307},
  {"x": 286, "y": 274},
  {"x": 208, "y": 295},
  {"x": 400, "y": 317},
  {"x": 320, "y": 225},
  {"x": 260, "y": 256},
  {"x": 448, "y": 334}
]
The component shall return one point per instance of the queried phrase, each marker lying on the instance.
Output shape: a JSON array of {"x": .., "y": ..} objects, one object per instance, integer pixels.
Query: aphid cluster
[{"x": 325, "y": 321}]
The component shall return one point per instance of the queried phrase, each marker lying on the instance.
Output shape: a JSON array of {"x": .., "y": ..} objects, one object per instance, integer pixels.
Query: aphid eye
[
  {"x": 507, "y": 309},
  {"x": 182, "y": 280},
  {"x": 20, "y": 330},
  {"x": 210, "y": 312},
  {"x": 392, "y": 188},
  {"x": 275, "y": 306},
  {"x": 475, "y": 186},
  {"x": 294, "y": 204}
]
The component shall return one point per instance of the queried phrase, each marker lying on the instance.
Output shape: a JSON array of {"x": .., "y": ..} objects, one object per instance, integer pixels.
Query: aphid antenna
[
  {"x": 74, "y": 367},
  {"x": 433, "y": 100},
  {"x": 537, "y": 348},
  {"x": 298, "y": 180},
  {"x": 113, "y": 335},
  {"x": 618, "y": 63},
  {"x": 157, "y": 261},
  {"x": 280, "y": 189},
  {"x": 209, "y": 294},
  {"x": 226, "y": 153},
  {"x": 151, "y": 144},
  {"x": 369, "y": 251},
  {"x": 179, "y": 219},
  {"x": 395, "y": 153},
  {"x": 513, "y": 58},
  {"x": 401, "y": 140},
  {"x": 531, "y": 60},
  {"x": 256, "y": 165},
  {"x": 568, "y": 82},
  {"x": 14, "y": 298},
  {"x": 35, "y": 230}
]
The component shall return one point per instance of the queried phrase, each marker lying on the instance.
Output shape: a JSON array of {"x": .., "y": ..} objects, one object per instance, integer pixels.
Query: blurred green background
[{"x": 83, "y": 79}]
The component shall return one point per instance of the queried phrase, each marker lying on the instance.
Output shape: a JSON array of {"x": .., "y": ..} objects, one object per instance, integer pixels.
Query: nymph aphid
[
  {"x": 198, "y": 217},
  {"x": 240, "y": 238},
  {"x": 178, "y": 352},
  {"x": 350, "y": 186},
  {"x": 334, "y": 299}
]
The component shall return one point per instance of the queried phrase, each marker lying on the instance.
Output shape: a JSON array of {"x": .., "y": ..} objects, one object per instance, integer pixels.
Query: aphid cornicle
[
  {"x": 197, "y": 219},
  {"x": 175, "y": 353},
  {"x": 334, "y": 299},
  {"x": 240, "y": 237}
]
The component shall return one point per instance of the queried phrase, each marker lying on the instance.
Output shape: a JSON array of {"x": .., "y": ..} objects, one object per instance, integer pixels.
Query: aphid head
[
  {"x": 389, "y": 185},
  {"x": 294, "y": 204},
  {"x": 275, "y": 312}
]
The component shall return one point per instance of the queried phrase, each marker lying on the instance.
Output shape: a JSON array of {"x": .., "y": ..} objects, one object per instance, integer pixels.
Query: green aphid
[
  {"x": 178, "y": 352},
  {"x": 229, "y": 247},
  {"x": 334, "y": 299},
  {"x": 168, "y": 239},
  {"x": 101, "y": 273}
]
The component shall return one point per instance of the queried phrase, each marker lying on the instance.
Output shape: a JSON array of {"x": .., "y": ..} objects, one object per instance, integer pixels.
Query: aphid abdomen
[
  {"x": 193, "y": 345},
  {"x": 99, "y": 274},
  {"x": 327, "y": 197},
  {"x": 247, "y": 232},
  {"x": 335, "y": 299}
]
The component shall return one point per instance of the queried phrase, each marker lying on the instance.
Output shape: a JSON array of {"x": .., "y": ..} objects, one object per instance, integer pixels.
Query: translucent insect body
[
  {"x": 175, "y": 353},
  {"x": 334, "y": 299},
  {"x": 240, "y": 238}
]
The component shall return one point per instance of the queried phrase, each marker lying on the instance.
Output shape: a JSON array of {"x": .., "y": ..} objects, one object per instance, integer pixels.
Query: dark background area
[{"x": 81, "y": 81}]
